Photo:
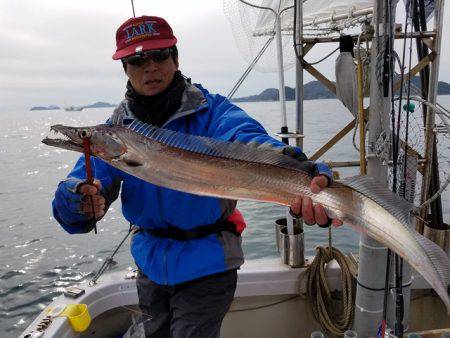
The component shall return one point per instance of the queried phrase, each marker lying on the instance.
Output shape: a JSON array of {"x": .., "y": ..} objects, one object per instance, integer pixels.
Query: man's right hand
[{"x": 91, "y": 195}]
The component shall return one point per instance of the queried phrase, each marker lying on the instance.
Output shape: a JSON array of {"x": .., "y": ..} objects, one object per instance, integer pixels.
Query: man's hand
[
  {"x": 91, "y": 195},
  {"x": 313, "y": 213}
]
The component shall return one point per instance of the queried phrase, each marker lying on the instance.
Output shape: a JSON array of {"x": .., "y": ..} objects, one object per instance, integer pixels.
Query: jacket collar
[{"x": 193, "y": 100}]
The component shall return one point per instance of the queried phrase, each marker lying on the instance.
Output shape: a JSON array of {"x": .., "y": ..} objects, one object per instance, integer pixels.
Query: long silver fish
[{"x": 209, "y": 167}]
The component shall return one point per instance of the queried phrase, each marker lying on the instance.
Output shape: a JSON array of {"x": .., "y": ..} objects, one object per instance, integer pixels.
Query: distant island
[
  {"x": 315, "y": 90},
  {"x": 100, "y": 105},
  {"x": 77, "y": 108},
  {"x": 51, "y": 107}
]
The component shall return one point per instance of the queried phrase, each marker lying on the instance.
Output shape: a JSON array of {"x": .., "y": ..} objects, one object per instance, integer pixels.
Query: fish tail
[{"x": 401, "y": 210}]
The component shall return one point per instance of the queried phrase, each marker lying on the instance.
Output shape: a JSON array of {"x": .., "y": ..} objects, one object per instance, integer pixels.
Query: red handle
[
  {"x": 87, "y": 157},
  {"x": 89, "y": 178}
]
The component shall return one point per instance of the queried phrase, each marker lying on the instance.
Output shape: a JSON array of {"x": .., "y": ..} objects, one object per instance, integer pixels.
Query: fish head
[{"x": 104, "y": 142}]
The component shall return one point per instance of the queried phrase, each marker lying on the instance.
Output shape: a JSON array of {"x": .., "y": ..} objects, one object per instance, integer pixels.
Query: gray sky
[{"x": 59, "y": 51}]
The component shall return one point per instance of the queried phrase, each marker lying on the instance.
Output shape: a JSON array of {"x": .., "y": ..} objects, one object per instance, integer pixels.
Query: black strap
[
  {"x": 195, "y": 233},
  {"x": 382, "y": 289}
]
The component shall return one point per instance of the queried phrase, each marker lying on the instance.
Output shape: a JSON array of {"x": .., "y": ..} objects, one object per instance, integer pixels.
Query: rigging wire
[
  {"x": 319, "y": 61},
  {"x": 249, "y": 68},
  {"x": 263, "y": 49},
  {"x": 132, "y": 6},
  {"x": 109, "y": 260}
]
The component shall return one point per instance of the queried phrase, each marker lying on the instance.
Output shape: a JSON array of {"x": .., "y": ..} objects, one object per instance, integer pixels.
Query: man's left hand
[{"x": 311, "y": 214}]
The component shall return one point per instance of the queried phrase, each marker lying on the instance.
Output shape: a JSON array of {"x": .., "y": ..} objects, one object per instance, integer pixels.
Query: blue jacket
[{"x": 168, "y": 261}]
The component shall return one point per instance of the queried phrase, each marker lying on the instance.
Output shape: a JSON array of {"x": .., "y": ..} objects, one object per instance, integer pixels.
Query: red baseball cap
[{"x": 141, "y": 34}]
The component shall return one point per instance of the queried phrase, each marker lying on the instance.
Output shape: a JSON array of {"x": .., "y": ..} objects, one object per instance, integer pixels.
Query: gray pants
[{"x": 187, "y": 310}]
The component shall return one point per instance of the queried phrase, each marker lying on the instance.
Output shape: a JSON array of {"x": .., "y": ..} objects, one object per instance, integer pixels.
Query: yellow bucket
[{"x": 78, "y": 316}]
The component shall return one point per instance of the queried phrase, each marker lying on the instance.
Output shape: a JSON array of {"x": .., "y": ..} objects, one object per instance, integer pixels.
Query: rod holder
[
  {"x": 279, "y": 223},
  {"x": 292, "y": 247}
]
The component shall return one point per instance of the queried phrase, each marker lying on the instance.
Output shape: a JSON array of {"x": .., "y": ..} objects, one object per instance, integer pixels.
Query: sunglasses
[{"x": 156, "y": 55}]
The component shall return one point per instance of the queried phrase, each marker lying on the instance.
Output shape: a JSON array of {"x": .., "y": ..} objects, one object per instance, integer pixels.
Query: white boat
[
  {"x": 270, "y": 300},
  {"x": 268, "y": 303},
  {"x": 73, "y": 108}
]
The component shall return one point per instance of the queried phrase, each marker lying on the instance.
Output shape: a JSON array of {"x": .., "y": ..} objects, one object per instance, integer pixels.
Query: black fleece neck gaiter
[{"x": 157, "y": 109}]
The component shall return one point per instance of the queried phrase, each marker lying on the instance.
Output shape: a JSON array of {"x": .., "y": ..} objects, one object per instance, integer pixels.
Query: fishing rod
[
  {"x": 420, "y": 24},
  {"x": 388, "y": 88},
  {"x": 388, "y": 85},
  {"x": 399, "y": 329},
  {"x": 399, "y": 300}
]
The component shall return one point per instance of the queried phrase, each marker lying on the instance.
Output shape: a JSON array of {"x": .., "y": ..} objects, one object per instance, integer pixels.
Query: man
[{"x": 188, "y": 247}]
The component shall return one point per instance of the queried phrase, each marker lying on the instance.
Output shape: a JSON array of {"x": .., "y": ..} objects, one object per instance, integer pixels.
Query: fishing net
[
  {"x": 253, "y": 23},
  {"x": 413, "y": 164},
  {"x": 250, "y": 39}
]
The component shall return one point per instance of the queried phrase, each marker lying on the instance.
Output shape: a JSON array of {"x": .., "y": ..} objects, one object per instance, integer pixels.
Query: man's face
[{"x": 152, "y": 77}]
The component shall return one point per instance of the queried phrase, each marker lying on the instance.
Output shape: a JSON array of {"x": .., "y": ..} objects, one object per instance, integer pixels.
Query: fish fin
[
  {"x": 216, "y": 148},
  {"x": 371, "y": 188},
  {"x": 438, "y": 258}
]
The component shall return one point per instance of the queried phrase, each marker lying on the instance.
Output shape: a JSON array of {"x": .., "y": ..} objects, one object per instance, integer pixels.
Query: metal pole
[
  {"x": 282, "y": 98},
  {"x": 281, "y": 91},
  {"x": 430, "y": 118},
  {"x": 299, "y": 75},
  {"x": 299, "y": 80},
  {"x": 372, "y": 255}
]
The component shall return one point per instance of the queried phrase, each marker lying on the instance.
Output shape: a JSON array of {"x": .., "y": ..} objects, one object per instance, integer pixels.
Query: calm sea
[{"x": 38, "y": 259}]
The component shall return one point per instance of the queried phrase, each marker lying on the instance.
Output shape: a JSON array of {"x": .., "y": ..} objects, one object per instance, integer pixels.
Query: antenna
[{"x": 132, "y": 6}]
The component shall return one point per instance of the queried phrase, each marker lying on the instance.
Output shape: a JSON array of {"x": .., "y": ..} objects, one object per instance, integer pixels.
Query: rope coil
[{"x": 320, "y": 296}]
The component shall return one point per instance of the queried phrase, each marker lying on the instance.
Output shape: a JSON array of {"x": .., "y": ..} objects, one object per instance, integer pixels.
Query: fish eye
[{"x": 83, "y": 133}]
